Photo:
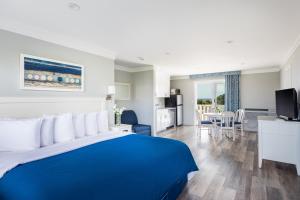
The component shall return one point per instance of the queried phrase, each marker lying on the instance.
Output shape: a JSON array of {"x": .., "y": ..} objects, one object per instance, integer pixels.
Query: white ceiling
[{"x": 193, "y": 32}]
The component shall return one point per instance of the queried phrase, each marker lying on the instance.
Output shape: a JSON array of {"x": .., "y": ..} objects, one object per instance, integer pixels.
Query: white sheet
[{"x": 9, "y": 160}]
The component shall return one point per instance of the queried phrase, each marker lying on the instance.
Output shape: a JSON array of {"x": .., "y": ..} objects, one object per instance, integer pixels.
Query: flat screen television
[{"x": 286, "y": 104}]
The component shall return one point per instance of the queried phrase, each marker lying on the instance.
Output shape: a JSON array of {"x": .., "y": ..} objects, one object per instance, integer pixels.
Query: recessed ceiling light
[
  {"x": 229, "y": 41},
  {"x": 140, "y": 58},
  {"x": 74, "y": 6},
  {"x": 242, "y": 63},
  {"x": 167, "y": 53}
]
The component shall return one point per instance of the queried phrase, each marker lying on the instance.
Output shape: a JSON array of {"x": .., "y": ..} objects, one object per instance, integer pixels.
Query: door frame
[{"x": 210, "y": 80}]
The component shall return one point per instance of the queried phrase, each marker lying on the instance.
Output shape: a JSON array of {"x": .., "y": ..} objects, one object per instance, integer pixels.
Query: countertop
[{"x": 168, "y": 108}]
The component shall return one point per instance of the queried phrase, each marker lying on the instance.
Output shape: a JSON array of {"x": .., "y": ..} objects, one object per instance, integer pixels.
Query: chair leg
[
  {"x": 242, "y": 130},
  {"x": 233, "y": 134}
]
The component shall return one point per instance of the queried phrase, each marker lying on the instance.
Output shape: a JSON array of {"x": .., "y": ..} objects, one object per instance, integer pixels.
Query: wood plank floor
[{"x": 229, "y": 170}]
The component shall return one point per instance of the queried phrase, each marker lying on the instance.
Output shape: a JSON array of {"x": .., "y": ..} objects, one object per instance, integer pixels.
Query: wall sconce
[{"x": 111, "y": 90}]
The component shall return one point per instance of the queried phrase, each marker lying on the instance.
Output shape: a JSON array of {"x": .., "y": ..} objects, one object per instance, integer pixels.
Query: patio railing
[{"x": 209, "y": 108}]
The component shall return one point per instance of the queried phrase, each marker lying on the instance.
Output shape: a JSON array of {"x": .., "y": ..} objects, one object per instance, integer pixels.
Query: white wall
[
  {"x": 257, "y": 91},
  {"x": 290, "y": 72},
  {"x": 99, "y": 71}
]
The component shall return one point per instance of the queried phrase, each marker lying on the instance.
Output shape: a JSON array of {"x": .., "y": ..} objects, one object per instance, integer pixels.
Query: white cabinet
[
  {"x": 162, "y": 83},
  {"x": 278, "y": 140},
  {"x": 164, "y": 119}
]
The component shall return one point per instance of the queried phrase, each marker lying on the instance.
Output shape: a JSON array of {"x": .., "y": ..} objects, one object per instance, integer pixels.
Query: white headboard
[{"x": 36, "y": 107}]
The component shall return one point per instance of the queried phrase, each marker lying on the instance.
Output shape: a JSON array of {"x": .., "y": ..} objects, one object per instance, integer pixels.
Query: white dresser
[{"x": 278, "y": 140}]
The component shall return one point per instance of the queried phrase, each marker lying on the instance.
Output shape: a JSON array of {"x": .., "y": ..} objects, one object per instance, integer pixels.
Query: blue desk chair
[{"x": 129, "y": 117}]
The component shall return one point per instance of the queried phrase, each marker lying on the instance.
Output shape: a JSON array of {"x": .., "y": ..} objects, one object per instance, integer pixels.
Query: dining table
[{"x": 214, "y": 117}]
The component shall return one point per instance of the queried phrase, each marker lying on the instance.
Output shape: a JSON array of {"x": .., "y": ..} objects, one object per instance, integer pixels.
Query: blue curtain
[{"x": 232, "y": 92}]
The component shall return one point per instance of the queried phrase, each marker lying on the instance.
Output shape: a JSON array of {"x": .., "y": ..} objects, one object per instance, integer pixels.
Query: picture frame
[{"x": 38, "y": 73}]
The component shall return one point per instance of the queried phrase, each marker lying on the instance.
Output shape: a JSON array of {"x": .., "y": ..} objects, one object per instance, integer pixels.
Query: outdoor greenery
[
  {"x": 221, "y": 99},
  {"x": 204, "y": 102}
]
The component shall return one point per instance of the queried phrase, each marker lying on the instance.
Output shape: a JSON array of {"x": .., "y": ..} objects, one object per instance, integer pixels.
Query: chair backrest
[
  {"x": 240, "y": 115},
  {"x": 227, "y": 119},
  {"x": 129, "y": 117},
  {"x": 198, "y": 116}
]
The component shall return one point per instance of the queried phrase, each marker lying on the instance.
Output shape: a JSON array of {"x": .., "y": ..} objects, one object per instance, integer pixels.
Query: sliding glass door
[{"x": 211, "y": 96}]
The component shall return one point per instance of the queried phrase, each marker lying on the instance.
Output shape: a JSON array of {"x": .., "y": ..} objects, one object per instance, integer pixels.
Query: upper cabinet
[{"x": 162, "y": 83}]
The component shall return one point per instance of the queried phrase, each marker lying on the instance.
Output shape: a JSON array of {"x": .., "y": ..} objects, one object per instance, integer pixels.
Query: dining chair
[
  {"x": 208, "y": 124},
  {"x": 227, "y": 124},
  {"x": 239, "y": 120}
]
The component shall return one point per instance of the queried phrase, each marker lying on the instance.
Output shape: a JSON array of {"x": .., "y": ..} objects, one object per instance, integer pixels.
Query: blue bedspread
[{"x": 132, "y": 167}]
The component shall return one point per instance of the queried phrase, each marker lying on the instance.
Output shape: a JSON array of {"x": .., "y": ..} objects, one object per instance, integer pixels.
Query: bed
[{"x": 108, "y": 166}]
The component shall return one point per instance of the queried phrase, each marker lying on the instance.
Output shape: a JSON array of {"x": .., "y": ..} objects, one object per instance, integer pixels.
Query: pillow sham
[
  {"x": 79, "y": 125},
  {"x": 91, "y": 124},
  {"x": 63, "y": 128},
  {"x": 47, "y": 130},
  {"x": 20, "y": 135},
  {"x": 102, "y": 121}
]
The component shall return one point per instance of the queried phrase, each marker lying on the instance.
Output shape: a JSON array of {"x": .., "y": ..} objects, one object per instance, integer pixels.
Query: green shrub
[
  {"x": 221, "y": 99},
  {"x": 204, "y": 101}
]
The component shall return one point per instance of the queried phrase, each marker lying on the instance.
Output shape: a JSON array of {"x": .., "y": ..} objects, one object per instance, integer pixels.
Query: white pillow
[
  {"x": 47, "y": 131},
  {"x": 20, "y": 135},
  {"x": 63, "y": 128},
  {"x": 79, "y": 125},
  {"x": 102, "y": 120},
  {"x": 91, "y": 124}
]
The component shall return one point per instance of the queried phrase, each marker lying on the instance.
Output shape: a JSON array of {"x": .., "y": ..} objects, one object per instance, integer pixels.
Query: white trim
[
  {"x": 291, "y": 52},
  {"x": 22, "y": 86},
  {"x": 6, "y": 100},
  {"x": 185, "y": 77},
  {"x": 261, "y": 70},
  {"x": 59, "y": 39},
  {"x": 248, "y": 71},
  {"x": 133, "y": 69},
  {"x": 24, "y": 107},
  {"x": 122, "y": 68}
]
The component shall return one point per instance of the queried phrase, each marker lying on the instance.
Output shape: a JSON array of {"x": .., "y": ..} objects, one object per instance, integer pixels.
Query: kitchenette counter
[{"x": 168, "y": 108}]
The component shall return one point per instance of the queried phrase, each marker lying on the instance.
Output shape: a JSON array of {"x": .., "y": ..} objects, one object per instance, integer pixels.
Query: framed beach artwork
[{"x": 38, "y": 73}]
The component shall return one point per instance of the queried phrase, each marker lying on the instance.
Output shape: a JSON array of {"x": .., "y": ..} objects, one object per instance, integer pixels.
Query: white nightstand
[{"x": 122, "y": 128}]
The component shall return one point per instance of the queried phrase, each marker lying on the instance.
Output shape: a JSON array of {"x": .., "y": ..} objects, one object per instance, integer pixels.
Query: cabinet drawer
[{"x": 279, "y": 147}]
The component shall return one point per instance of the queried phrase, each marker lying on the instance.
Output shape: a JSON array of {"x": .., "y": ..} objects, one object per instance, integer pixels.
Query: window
[
  {"x": 211, "y": 96},
  {"x": 220, "y": 96}
]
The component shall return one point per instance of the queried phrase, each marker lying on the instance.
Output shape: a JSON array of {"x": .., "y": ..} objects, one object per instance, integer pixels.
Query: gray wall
[
  {"x": 290, "y": 72},
  {"x": 187, "y": 89},
  {"x": 141, "y": 94},
  {"x": 125, "y": 77},
  {"x": 99, "y": 71},
  {"x": 258, "y": 90}
]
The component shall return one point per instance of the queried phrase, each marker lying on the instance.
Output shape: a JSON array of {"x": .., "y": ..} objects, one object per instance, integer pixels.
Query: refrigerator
[{"x": 176, "y": 101}]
